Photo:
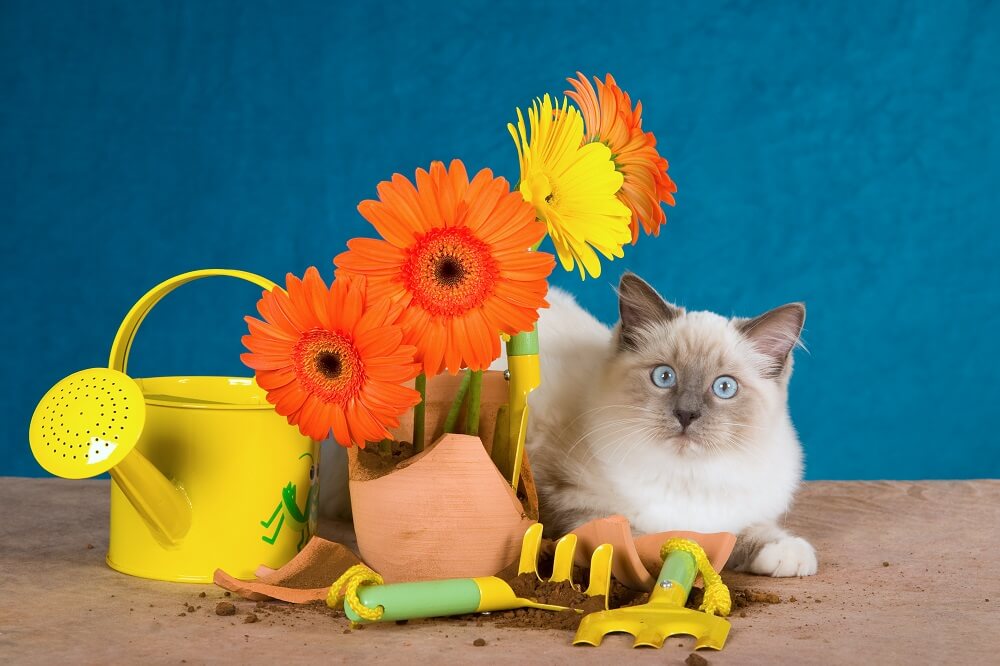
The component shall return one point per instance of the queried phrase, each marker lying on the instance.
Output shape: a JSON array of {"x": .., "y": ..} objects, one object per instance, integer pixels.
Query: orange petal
[
  {"x": 380, "y": 341},
  {"x": 339, "y": 423}
]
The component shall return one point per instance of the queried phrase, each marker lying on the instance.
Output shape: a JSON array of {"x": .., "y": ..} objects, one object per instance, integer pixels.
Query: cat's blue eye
[
  {"x": 664, "y": 376},
  {"x": 725, "y": 387}
]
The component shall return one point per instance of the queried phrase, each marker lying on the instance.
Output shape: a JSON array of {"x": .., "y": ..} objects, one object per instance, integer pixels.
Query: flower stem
[
  {"x": 472, "y": 411},
  {"x": 456, "y": 404},
  {"x": 420, "y": 384},
  {"x": 385, "y": 448}
]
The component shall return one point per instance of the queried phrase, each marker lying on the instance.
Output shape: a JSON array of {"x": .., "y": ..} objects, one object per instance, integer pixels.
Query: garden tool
[
  {"x": 206, "y": 473},
  {"x": 637, "y": 556},
  {"x": 366, "y": 599},
  {"x": 664, "y": 614},
  {"x": 525, "y": 376}
]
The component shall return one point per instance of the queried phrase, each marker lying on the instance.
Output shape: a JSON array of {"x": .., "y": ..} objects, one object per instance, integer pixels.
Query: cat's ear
[
  {"x": 775, "y": 334},
  {"x": 640, "y": 307}
]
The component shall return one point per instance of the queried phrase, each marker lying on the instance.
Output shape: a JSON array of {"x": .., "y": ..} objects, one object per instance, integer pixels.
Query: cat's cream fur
[{"x": 603, "y": 439}]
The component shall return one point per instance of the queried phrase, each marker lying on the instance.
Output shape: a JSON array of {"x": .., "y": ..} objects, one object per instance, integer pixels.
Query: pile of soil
[
  {"x": 374, "y": 461},
  {"x": 745, "y": 597},
  {"x": 527, "y": 586}
]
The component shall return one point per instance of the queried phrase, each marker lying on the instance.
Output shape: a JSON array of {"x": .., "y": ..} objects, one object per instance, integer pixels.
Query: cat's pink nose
[{"x": 685, "y": 417}]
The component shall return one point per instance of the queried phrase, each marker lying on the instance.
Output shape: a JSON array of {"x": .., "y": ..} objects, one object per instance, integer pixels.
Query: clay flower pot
[{"x": 446, "y": 512}]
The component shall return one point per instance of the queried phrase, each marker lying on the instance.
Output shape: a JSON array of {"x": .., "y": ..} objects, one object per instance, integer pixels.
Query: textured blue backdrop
[{"x": 844, "y": 155}]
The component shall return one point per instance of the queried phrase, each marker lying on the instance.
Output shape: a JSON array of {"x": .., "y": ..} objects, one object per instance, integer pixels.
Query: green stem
[
  {"x": 385, "y": 448},
  {"x": 418, "y": 413},
  {"x": 472, "y": 411},
  {"x": 456, "y": 404}
]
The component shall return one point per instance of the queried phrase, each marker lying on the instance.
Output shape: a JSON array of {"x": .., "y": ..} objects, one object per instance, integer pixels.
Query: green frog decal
[{"x": 304, "y": 519}]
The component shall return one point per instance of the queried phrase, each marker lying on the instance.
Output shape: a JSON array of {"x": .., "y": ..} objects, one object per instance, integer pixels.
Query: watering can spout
[{"x": 162, "y": 505}]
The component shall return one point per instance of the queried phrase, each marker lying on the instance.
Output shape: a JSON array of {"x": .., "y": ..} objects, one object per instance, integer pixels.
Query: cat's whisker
[
  {"x": 594, "y": 452},
  {"x": 614, "y": 423},
  {"x": 618, "y": 407},
  {"x": 635, "y": 444}
]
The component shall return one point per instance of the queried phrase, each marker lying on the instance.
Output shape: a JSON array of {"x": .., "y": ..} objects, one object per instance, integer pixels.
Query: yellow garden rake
[{"x": 665, "y": 615}]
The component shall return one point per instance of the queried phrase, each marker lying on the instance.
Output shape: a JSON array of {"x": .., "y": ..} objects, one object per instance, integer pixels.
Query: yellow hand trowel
[
  {"x": 199, "y": 463},
  {"x": 524, "y": 375},
  {"x": 664, "y": 615},
  {"x": 458, "y": 596}
]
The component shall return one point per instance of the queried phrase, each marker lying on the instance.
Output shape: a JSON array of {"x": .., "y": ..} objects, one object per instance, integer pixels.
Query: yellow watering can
[{"x": 206, "y": 475}]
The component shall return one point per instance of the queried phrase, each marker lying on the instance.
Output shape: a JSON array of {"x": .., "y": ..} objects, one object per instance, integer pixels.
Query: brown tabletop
[{"x": 909, "y": 573}]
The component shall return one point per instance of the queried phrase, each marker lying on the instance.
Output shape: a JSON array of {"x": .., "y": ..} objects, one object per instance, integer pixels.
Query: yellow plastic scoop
[{"x": 87, "y": 423}]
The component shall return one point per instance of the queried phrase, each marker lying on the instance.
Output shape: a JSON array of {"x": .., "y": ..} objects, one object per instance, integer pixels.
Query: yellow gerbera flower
[{"x": 572, "y": 185}]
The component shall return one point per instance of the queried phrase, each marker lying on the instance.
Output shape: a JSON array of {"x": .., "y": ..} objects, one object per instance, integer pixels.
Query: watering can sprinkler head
[{"x": 88, "y": 424}]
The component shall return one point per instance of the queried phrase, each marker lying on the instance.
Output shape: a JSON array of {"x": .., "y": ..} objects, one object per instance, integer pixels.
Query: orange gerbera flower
[
  {"x": 456, "y": 256},
  {"x": 609, "y": 118},
  {"x": 330, "y": 360}
]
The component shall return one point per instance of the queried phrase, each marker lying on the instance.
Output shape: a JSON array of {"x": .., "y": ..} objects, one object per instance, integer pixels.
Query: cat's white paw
[{"x": 788, "y": 556}]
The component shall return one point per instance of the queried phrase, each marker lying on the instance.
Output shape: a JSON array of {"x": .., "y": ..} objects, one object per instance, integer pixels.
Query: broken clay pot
[{"x": 446, "y": 512}]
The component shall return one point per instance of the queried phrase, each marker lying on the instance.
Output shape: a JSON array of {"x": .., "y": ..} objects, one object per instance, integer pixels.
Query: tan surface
[{"x": 60, "y": 602}]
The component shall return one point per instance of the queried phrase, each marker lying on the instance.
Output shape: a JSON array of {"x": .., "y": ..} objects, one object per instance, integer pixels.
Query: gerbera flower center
[
  {"x": 449, "y": 271},
  {"x": 328, "y": 365}
]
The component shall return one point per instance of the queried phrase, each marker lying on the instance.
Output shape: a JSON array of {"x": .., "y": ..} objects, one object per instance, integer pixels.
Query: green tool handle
[
  {"x": 523, "y": 344},
  {"x": 410, "y": 601},
  {"x": 676, "y": 577}
]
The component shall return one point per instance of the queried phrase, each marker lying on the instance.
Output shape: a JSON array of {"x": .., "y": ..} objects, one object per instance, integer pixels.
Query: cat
[{"x": 677, "y": 420}]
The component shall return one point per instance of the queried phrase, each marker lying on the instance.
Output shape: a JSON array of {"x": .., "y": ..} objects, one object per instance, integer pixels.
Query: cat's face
[{"x": 696, "y": 382}]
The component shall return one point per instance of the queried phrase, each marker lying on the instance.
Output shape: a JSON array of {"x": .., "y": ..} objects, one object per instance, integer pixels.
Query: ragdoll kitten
[{"x": 677, "y": 420}]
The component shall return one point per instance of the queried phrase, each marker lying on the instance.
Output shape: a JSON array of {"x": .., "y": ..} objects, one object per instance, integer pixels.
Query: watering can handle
[{"x": 126, "y": 332}]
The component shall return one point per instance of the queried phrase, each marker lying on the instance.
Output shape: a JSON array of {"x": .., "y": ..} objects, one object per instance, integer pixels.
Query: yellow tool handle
[
  {"x": 525, "y": 377},
  {"x": 126, "y": 332}
]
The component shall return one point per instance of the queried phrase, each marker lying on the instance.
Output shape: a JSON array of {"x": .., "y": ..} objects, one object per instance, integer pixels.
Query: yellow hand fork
[{"x": 665, "y": 615}]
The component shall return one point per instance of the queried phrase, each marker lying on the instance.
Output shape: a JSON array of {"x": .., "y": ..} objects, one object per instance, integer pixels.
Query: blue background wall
[{"x": 846, "y": 155}]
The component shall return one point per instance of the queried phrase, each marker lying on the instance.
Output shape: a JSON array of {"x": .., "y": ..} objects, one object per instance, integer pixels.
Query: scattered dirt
[
  {"x": 224, "y": 608},
  {"x": 527, "y": 586},
  {"x": 479, "y": 642},
  {"x": 745, "y": 597},
  {"x": 695, "y": 659},
  {"x": 90, "y": 546},
  {"x": 202, "y": 595},
  {"x": 885, "y": 564}
]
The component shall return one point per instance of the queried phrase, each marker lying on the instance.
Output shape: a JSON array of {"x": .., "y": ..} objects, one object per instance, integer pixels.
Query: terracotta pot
[{"x": 446, "y": 512}]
